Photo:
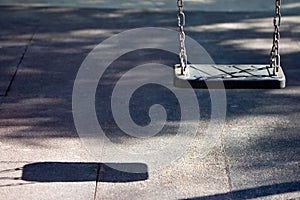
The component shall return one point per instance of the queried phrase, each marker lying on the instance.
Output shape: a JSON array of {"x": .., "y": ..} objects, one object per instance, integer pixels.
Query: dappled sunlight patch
[
  {"x": 258, "y": 25},
  {"x": 92, "y": 32}
]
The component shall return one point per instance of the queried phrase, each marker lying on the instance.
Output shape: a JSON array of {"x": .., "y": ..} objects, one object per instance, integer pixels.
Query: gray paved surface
[
  {"x": 42, "y": 157},
  {"x": 204, "y": 5}
]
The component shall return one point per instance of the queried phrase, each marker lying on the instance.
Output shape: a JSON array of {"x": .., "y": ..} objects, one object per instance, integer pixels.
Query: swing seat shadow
[{"x": 83, "y": 172}]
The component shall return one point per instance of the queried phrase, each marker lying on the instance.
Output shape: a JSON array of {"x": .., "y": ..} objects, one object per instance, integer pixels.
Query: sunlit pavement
[{"x": 42, "y": 46}]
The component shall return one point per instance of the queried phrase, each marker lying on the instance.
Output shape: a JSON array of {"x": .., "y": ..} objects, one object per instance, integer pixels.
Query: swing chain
[
  {"x": 181, "y": 24},
  {"x": 274, "y": 55}
]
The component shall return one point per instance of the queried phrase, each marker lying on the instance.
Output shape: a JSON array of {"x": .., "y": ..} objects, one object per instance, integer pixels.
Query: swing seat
[{"x": 238, "y": 76}]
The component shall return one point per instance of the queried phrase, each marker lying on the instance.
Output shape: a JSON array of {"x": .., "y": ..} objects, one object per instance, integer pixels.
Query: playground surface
[{"x": 256, "y": 154}]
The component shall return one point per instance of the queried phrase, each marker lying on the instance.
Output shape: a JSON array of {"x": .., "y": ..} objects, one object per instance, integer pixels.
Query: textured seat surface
[{"x": 229, "y": 76}]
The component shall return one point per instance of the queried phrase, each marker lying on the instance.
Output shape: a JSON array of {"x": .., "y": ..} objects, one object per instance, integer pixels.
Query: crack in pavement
[{"x": 19, "y": 63}]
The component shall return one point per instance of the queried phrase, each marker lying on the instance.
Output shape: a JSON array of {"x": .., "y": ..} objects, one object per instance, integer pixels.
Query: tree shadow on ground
[{"x": 258, "y": 192}]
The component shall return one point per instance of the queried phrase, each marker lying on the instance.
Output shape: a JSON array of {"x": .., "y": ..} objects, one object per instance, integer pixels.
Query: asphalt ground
[{"x": 255, "y": 156}]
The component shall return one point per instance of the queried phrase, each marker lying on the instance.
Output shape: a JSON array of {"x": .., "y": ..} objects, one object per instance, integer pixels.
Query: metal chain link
[
  {"x": 274, "y": 55},
  {"x": 181, "y": 24}
]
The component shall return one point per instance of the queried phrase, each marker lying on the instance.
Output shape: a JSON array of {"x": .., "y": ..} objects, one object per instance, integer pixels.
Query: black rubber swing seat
[{"x": 239, "y": 76}]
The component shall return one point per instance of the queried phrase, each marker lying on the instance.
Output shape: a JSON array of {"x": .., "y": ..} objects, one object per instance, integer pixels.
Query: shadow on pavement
[
  {"x": 82, "y": 172},
  {"x": 257, "y": 192}
]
